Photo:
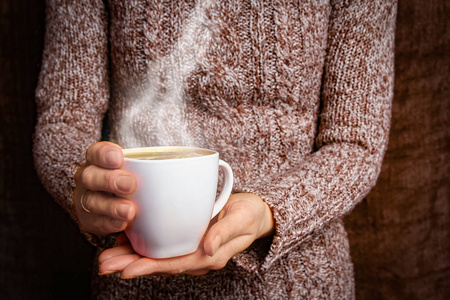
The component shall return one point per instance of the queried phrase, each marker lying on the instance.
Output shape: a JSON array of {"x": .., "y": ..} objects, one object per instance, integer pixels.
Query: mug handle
[{"x": 226, "y": 190}]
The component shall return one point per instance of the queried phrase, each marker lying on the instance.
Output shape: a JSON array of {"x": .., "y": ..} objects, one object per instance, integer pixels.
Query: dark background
[{"x": 399, "y": 235}]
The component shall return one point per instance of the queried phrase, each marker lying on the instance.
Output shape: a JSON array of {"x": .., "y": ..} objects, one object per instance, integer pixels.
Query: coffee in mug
[
  {"x": 175, "y": 197},
  {"x": 169, "y": 154}
]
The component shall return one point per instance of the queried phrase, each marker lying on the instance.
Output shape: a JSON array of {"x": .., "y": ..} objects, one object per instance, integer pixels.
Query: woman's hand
[
  {"x": 101, "y": 189},
  {"x": 245, "y": 218}
]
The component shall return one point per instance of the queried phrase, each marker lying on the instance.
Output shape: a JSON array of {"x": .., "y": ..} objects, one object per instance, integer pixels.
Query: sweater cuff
[{"x": 265, "y": 251}]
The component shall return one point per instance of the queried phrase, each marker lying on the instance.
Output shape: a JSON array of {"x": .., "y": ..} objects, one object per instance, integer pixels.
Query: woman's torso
[{"x": 240, "y": 77}]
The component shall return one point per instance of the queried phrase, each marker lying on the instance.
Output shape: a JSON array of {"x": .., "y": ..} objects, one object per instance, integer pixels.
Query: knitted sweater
[{"x": 295, "y": 95}]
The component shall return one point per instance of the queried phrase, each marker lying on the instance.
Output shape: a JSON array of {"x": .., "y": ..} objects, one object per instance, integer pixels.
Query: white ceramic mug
[{"x": 175, "y": 199}]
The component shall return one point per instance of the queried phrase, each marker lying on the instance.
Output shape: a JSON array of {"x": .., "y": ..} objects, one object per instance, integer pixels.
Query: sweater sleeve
[
  {"x": 72, "y": 93},
  {"x": 353, "y": 131}
]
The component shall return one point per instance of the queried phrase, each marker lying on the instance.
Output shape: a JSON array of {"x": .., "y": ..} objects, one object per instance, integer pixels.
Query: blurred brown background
[{"x": 399, "y": 235}]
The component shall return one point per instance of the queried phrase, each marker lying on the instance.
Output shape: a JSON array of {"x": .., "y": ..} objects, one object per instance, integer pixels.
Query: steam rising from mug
[{"x": 157, "y": 117}]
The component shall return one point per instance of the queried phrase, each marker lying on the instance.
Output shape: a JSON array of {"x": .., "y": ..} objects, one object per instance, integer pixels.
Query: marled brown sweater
[{"x": 295, "y": 95}]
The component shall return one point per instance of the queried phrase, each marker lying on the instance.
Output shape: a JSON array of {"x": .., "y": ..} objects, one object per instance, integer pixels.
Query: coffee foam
[{"x": 164, "y": 155}]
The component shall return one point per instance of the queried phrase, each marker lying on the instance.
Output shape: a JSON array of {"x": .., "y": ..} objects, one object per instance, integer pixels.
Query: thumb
[{"x": 229, "y": 227}]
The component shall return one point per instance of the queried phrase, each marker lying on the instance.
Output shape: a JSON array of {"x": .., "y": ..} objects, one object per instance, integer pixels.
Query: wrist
[{"x": 268, "y": 226}]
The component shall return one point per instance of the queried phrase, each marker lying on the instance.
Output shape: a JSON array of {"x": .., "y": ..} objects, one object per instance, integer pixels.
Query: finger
[
  {"x": 143, "y": 266},
  {"x": 102, "y": 225},
  {"x": 229, "y": 249},
  {"x": 197, "y": 263},
  {"x": 118, "y": 182},
  {"x": 169, "y": 266},
  {"x": 113, "y": 252},
  {"x": 229, "y": 227},
  {"x": 105, "y": 154},
  {"x": 107, "y": 205},
  {"x": 118, "y": 263}
]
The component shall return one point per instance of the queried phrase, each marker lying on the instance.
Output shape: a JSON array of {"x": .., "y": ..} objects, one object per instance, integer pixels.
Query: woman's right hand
[{"x": 101, "y": 191}]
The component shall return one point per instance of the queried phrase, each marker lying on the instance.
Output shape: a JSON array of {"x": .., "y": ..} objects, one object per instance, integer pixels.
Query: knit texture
[{"x": 296, "y": 97}]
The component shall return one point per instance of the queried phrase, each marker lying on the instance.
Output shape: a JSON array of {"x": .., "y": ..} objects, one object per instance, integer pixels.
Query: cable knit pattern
[{"x": 295, "y": 95}]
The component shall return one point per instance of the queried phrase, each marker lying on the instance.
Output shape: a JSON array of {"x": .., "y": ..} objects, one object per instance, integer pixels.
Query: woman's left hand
[{"x": 245, "y": 218}]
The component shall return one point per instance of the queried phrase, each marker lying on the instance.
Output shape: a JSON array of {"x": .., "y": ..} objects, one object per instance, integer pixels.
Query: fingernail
[
  {"x": 216, "y": 244},
  {"x": 112, "y": 158},
  {"x": 123, "y": 211},
  {"x": 124, "y": 183},
  {"x": 117, "y": 223},
  {"x": 104, "y": 273}
]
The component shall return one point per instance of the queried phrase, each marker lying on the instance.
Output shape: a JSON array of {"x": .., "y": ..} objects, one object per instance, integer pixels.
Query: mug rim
[{"x": 206, "y": 152}]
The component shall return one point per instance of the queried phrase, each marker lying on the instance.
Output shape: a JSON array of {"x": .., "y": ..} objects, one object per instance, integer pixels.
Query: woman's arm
[
  {"x": 353, "y": 130},
  {"x": 72, "y": 93}
]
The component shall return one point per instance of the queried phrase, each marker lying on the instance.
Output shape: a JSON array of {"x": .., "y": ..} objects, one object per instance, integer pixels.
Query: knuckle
[
  {"x": 100, "y": 154},
  {"x": 116, "y": 225},
  {"x": 171, "y": 272},
  {"x": 178, "y": 271},
  {"x": 94, "y": 150},
  {"x": 177, "y": 267},
  {"x": 97, "y": 224},
  {"x": 110, "y": 178},
  {"x": 113, "y": 208},
  {"x": 79, "y": 171},
  {"x": 90, "y": 152},
  {"x": 97, "y": 152},
  {"x": 87, "y": 176},
  {"x": 85, "y": 200}
]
